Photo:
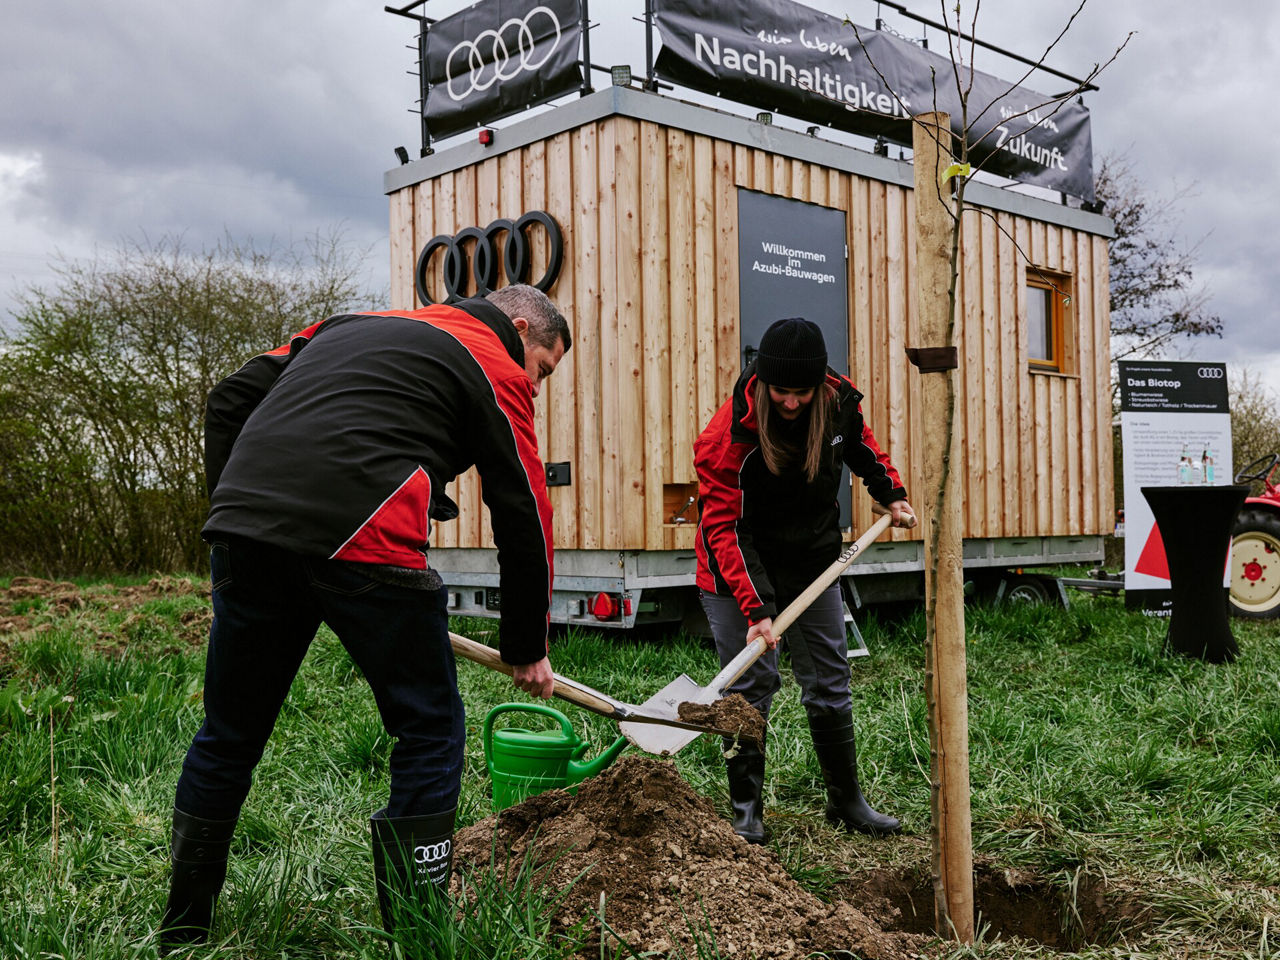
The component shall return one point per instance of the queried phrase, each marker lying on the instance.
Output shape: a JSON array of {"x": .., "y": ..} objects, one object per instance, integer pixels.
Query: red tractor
[{"x": 1255, "y": 544}]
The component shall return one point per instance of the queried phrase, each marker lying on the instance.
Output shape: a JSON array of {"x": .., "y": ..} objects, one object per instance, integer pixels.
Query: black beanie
[{"x": 792, "y": 354}]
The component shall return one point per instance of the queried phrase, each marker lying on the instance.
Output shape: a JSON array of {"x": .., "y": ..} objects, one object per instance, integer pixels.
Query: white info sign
[{"x": 1175, "y": 425}]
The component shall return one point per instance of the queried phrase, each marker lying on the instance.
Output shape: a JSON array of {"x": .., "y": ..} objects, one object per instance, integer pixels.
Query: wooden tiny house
[{"x": 645, "y": 191}]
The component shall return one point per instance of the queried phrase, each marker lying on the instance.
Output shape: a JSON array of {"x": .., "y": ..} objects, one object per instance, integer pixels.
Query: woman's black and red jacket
[
  {"x": 761, "y": 536},
  {"x": 339, "y": 444}
]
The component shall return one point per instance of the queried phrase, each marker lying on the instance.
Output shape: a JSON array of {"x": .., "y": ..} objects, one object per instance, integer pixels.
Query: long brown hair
[{"x": 778, "y": 455}]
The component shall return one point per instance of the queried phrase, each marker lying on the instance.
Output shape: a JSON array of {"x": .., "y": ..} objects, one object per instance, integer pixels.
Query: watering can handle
[
  {"x": 538, "y": 708},
  {"x": 753, "y": 651}
]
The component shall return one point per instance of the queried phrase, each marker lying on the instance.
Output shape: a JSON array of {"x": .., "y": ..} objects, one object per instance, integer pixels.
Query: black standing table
[{"x": 1195, "y": 524}]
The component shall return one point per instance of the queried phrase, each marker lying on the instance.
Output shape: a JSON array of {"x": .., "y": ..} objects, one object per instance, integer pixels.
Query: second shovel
[{"x": 666, "y": 702}]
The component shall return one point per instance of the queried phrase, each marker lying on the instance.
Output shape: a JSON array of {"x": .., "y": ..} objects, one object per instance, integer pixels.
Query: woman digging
[{"x": 769, "y": 467}]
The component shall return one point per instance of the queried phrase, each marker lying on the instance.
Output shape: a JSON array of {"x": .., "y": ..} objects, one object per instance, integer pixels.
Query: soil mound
[
  {"x": 58, "y": 597},
  {"x": 666, "y": 862},
  {"x": 32, "y": 603}
]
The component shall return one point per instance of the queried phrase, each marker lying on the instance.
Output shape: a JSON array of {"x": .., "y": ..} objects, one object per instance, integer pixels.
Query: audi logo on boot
[
  {"x": 486, "y": 262},
  {"x": 432, "y": 860},
  {"x": 429, "y": 853}
]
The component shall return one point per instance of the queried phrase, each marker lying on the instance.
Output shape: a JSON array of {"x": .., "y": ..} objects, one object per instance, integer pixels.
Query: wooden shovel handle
[
  {"x": 828, "y": 576},
  {"x": 753, "y": 651},
  {"x": 564, "y": 688}
]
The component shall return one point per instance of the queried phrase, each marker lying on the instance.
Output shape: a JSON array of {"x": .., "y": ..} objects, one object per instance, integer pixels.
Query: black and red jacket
[
  {"x": 340, "y": 444},
  {"x": 761, "y": 536}
]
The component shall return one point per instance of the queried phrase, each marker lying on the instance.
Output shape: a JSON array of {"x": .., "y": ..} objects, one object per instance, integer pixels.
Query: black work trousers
[{"x": 267, "y": 605}]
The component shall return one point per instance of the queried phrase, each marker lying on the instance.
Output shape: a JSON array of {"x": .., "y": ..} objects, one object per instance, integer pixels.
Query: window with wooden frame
[{"x": 1050, "y": 327}]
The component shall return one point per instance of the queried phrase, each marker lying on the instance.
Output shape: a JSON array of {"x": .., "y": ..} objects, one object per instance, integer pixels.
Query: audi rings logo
[
  {"x": 503, "y": 54},
  {"x": 1211, "y": 373},
  {"x": 503, "y": 245},
  {"x": 431, "y": 852}
]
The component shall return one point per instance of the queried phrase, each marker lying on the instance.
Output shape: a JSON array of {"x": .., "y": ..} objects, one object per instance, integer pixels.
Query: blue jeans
[{"x": 267, "y": 605}]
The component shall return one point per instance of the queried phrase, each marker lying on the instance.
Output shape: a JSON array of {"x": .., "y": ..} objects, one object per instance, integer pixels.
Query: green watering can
[{"x": 526, "y": 762}]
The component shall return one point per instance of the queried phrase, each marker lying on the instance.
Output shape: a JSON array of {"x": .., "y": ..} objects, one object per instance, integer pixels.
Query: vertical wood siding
[{"x": 650, "y": 287}]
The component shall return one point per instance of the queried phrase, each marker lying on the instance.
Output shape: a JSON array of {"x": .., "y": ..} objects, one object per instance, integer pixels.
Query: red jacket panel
[
  {"x": 340, "y": 445},
  {"x": 760, "y": 535}
]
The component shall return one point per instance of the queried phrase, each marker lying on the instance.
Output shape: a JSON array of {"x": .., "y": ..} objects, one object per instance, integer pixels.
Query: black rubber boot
[
  {"x": 838, "y": 757},
  {"x": 411, "y": 856},
  {"x": 746, "y": 785},
  {"x": 199, "y": 851}
]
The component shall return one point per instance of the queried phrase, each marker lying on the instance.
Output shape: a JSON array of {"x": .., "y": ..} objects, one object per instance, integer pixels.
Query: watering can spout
[{"x": 579, "y": 769}]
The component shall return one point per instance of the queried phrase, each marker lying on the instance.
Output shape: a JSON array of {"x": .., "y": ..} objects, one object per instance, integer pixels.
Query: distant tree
[
  {"x": 103, "y": 381},
  {"x": 1154, "y": 299},
  {"x": 1255, "y": 418}
]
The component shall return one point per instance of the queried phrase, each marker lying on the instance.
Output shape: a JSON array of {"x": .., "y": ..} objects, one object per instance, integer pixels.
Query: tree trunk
[{"x": 946, "y": 685}]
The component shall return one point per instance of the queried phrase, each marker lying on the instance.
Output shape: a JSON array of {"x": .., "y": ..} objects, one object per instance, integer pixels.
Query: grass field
[{"x": 1098, "y": 764}]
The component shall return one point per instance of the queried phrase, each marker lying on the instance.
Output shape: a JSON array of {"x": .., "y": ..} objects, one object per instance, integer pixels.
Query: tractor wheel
[{"x": 1255, "y": 565}]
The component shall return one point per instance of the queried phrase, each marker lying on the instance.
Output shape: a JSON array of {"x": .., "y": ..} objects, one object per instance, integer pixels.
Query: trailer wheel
[
  {"x": 1255, "y": 565},
  {"x": 1027, "y": 591}
]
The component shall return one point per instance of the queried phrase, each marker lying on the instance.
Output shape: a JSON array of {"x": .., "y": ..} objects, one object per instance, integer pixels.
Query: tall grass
[{"x": 1092, "y": 752}]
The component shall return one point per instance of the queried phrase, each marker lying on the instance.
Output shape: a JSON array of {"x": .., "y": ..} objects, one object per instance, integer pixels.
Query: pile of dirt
[
  {"x": 665, "y": 862},
  {"x": 166, "y": 586},
  {"x": 732, "y": 713},
  {"x": 28, "y": 598},
  {"x": 32, "y": 603},
  {"x": 51, "y": 597}
]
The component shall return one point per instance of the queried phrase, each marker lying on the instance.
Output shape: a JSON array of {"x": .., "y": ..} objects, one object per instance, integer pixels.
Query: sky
[{"x": 270, "y": 121}]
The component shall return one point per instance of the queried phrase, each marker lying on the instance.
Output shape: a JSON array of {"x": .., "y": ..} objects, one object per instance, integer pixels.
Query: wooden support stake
[{"x": 945, "y": 681}]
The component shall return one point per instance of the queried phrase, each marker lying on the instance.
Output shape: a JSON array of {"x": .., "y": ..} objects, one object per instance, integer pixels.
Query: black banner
[
  {"x": 787, "y": 57},
  {"x": 1177, "y": 386},
  {"x": 498, "y": 58},
  {"x": 792, "y": 261}
]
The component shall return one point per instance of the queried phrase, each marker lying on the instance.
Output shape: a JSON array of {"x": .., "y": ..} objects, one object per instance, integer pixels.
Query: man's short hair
[{"x": 546, "y": 323}]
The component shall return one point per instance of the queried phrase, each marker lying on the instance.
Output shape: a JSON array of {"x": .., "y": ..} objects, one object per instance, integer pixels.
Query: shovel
[
  {"x": 639, "y": 727},
  {"x": 666, "y": 702}
]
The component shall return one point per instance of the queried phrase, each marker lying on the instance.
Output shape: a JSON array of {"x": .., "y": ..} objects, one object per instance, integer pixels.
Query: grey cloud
[{"x": 273, "y": 118}]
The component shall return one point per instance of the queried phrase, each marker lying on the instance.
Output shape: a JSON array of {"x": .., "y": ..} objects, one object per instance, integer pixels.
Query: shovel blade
[
  {"x": 666, "y": 702},
  {"x": 660, "y": 740}
]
